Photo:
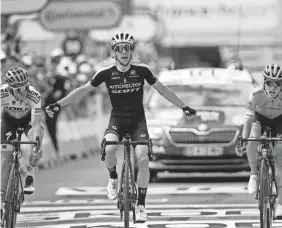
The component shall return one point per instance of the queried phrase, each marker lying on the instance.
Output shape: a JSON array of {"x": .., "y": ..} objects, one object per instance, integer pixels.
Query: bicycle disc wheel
[
  {"x": 264, "y": 191},
  {"x": 126, "y": 195},
  {"x": 10, "y": 208}
]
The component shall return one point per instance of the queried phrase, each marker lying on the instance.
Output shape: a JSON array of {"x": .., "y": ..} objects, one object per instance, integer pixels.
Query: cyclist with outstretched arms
[
  {"x": 125, "y": 83},
  {"x": 265, "y": 108},
  {"x": 20, "y": 107}
]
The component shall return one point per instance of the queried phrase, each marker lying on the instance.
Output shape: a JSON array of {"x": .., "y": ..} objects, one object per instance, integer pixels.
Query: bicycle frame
[
  {"x": 266, "y": 155},
  {"x": 127, "y": 195},
  {"x": 13, "y": 200}
]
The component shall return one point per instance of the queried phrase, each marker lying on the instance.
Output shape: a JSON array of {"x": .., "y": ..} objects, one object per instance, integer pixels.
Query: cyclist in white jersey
[
  {"x": 265, "y": 108},
  {"x": 20, "y": 107},
  {"x": 125, "y": 83}
]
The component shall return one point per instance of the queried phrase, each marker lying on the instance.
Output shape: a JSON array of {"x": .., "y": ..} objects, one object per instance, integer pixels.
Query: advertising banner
[
  {"x": 217, "y": 20},
  {"x": 81, "y": 15}
]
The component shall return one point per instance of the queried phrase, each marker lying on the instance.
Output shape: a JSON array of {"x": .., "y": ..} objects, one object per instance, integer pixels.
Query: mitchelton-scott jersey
[
  {"x": 20, "y": 109},
  {"x": 259, "y": 102},
  {"x": 125, "y": 88}
]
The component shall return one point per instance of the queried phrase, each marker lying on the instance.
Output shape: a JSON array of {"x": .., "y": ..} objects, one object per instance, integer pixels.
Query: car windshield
[{"x": 235, "y": 94}]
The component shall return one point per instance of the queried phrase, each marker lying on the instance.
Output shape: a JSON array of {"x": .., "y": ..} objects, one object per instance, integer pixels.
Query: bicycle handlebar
[
  {"x": 261, "y": 139},
  {"x": 15, "y": 142},
  {"x": 126, "y": 142}
]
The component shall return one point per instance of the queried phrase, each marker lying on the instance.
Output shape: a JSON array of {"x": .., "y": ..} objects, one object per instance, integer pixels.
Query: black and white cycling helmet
[
  {"x": 273, "y": 72},
  {"x": 16, "y": 77},
  {"x": 122, "y": 38}
]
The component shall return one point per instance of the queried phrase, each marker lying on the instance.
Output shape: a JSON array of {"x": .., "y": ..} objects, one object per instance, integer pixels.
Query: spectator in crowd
[
  {"x": 3, "y": 57},
  {"x": 58, "y": 88},
  {"x": 11, "y": 40},
  {"x": 57, "y": 92}
]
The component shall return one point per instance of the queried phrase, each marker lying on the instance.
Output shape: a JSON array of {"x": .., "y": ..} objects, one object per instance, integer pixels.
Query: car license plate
[{"x": 203, "y": 151}]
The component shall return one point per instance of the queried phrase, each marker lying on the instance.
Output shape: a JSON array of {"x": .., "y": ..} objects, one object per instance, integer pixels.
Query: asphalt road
[{"x": 73, "y": 196}]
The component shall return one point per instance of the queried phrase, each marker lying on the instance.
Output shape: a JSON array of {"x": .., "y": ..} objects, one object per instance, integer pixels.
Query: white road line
[
  {"x": 168, "y": 224},
  {"x": 83, "y": 202},
  {"x": 92, "y": 191},
  {"x": 161, "y": 211},
  {"x": 153, "y": 206}
]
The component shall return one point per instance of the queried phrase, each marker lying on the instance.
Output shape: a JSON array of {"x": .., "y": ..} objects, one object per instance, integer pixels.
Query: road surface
[{"x": 73, "y": 196}]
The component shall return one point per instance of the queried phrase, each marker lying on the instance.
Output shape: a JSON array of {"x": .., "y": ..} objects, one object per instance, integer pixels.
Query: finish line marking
[{"x": 92, "y": 191}]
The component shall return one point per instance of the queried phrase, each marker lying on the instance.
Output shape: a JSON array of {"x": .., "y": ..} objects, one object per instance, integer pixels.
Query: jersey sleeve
[
  {"x": 98, "y": 78},
  {"x": 4, "y": 95},
  {"x": 36, "y": 108},
  {"x": 251, "y": 105},
  {"x": 149, "y": 76},
  {"x": 34, "y": 98}
]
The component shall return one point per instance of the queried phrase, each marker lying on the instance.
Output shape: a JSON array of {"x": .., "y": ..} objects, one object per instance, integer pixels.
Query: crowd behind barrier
[{"x": 78, "y": 129}]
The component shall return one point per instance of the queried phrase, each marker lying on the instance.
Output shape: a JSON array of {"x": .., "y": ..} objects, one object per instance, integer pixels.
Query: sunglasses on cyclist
[
  {"x": 19, "y": 89},
  {"x": 271, "y": 83},
  {"x": 127, "y": 47}
]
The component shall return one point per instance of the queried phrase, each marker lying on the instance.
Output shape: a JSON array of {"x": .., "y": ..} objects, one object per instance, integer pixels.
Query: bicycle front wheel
[
  {"x": 126, "y": 195},
  {"x": 264, "y": 191},
  {"x": 10, "y": 216}
]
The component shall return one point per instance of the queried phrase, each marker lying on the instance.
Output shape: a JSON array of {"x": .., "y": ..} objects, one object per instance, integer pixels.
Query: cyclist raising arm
[
  {"x": 265, "y": 108},
  {"x": 125, "y": 84},
  {"x": 21, "y": 107}
]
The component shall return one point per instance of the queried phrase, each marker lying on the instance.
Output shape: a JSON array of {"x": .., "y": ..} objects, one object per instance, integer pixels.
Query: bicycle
[
  {"x": 266, "y": 185},
  {"x": 14, "y": 195},
  {"x": 127, "y": 194}
]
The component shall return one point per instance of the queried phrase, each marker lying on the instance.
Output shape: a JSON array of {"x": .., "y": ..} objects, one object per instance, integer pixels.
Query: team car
[{"x": 205, "y": 143}]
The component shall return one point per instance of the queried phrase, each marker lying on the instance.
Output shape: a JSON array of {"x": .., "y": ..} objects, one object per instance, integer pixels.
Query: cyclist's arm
[
  {"x": 168, "y": 94},
  {"x": 80, "y": 92},
  {"x": 249, "y": 117},
  {"x": 76, "y": 95},
  {"x": 162, "y": 89},
  {"x": 247, "y": 126},
  {"x": 36, "y": 119}
]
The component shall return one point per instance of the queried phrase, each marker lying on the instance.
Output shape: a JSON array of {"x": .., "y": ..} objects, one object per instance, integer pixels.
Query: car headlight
[
  {"x": 238, "y": 120},
  {"x": 155, "y": 132}
]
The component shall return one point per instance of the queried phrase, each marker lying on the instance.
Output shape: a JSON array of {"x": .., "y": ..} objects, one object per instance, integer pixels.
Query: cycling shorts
[
  {"x": 135, "y": 125},
  {"x": 9, "y": 126},
  {"x": 275, "y": 124}
]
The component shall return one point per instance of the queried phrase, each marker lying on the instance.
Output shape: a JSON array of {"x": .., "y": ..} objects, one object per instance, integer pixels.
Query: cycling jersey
[
  {"x": 262, "y": 104},
  {"x": 19, "y": 109},
  {"x": 125, "y": 88}
]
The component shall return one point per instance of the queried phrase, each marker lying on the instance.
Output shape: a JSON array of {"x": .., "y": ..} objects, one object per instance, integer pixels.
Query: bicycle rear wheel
[
  {"x": 10, "y": 216},
  {"x": 264, "y": 193},
  {"x": 126, "y": 195}
]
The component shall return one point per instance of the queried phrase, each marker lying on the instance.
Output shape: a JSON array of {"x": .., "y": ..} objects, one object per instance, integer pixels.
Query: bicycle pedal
[
  {"x": 27, "y": 192},
  {"x": 139, "y": 221}
]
